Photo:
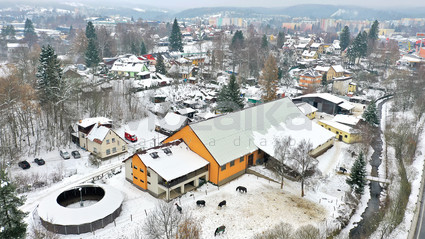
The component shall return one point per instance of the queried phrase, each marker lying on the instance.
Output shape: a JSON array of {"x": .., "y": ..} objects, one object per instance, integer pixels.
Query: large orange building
[{"x": 310, "y": 78}]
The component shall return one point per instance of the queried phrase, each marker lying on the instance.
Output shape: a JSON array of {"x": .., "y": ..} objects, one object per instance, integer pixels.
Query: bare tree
[
  {"x": 282, "y": 151},
  {"x": 308, "y": 232},
  {"x": 106, "y": 43},
  {"x": 280, "y": 231},
  {"x": 163, "y": 222},
  {"x": 189, "y": 229},
  {"x": 301, "y": 155}
]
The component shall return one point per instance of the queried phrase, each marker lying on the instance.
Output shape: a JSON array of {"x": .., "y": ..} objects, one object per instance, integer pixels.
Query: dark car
[
  {"x": 64, "y": 154},
  {"x": 24, "y": 164},
  {"x": 39, "y": 161},
  {"x": 76, "y": 154}
]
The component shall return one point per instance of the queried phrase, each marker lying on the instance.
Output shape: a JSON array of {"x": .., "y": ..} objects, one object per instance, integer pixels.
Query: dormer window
[
  {"x": 154, "y": 155},
  {"x": 167, "y": 151}
]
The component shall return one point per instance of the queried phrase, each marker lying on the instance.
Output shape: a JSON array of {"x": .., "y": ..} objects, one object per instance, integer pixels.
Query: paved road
[{"x": 420, "y": 226}]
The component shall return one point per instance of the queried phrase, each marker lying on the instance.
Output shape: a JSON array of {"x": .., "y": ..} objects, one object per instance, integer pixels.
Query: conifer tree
[
  {"x": 374, "y": 30},
  {"x": 49, "y": 76},
  {"x": 370, "y": 114},
  {"x": 229, "y": 98},
  {"x": 237, "y": 41},
  {"x": 133, "y": 48},
  {"x": 160, "y": 66},
  {"x": 357, "y": 179},
  {"x": 344, "y": 38},
  {"x": 92, "y": 54},
  {"x": 29, "y": 32},
  {"x": 269, "y": 79},
  {"x": 264, "y": 42},
  {"x": 143, "y": 50},
  {"x": 324, "y": 79},
  {"x": 90, "y": 31},
  {"x": 176, "y": 38},
  {"x": 280, "y": 39},
  {"x": 12, "y": 223}
]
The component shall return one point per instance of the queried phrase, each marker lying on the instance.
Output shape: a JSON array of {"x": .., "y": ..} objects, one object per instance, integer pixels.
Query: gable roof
[
  {"x": 231, "y": 136},
  {"x": 91, "y": 121},
  {"x": 172, "y": 122},
  {"x": 338, "y": 68},
  {"x": 98, "y": 133}
]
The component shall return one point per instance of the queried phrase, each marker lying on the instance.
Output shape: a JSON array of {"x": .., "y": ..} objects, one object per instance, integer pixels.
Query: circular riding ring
[{"x": 80, "y": 209}]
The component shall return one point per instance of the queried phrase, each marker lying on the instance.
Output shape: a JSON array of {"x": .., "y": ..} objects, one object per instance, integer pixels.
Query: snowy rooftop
[
  {"x": 315, "y": 44},
  {"x": 91, "y": 121},
  {"x": 337, "y": 125},
  {"x": 172, "y": 122},
  {"x": 180, "y": 162},
  {"x": 332, "y": 98},
  {"x": 346, "y": 119},
  {"x": 231, "y": 136},
  {"x": 306, "y": 108},
  {"x": 322, "y": 68},
  {"x": 311, "y": 73},
  {"x": 307, "y": 53},
  {"x": 187, "y": 110},
  {"x": 98, "y": 132},
  {"x": 338, "y": 68}
]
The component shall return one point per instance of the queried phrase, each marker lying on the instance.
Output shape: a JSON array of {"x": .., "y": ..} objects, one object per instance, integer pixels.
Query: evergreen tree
[
  {"x": 237, "y": 41},
  {"x": 229, "y": 98},
  {"x": 357, "y": 179},
  {"x": 29, "y": 32},
  {"x": 92, "y": 54},
  {"x": 344, "y": 38},
  {"x": 370, "y": 114},
  {"x": 280, "y": 39},
  {"x": 363, "y": 44},
  {"x": 374, "y": 30},
  {"x": 90, "y": 31},
  {"x": 264, "y": 42},
  {"x": 160, "y": 66},
  {"x": 133, "y": 48},
  {"x": 325, "y": 79},
  {"x": 176, "y": 38},
  {"x": 12, "y": 223},
  {"x": 143, "y": 50},
  {"x": 269, "y": 80},
  {"x": 49, "y": 76}
]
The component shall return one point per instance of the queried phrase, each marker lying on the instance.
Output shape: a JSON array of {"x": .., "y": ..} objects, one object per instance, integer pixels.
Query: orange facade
[
  {"x": 216, "y": 173},
  {"x": 139, "y": 172},
  {"x": 306, "y": 81}
]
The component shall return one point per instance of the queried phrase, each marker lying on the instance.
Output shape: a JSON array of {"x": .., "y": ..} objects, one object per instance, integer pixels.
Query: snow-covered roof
[
  {"x": 91, "y": 121},
  {"x": 17, "y": 45},
  {"x": 322, "y": 68},
  {"x": 337, "y": 125},
  {"x": 326, "y": 96},
  {"x": 233, "y": 134},
  {"x": 98, "y": 132},
  {"x": 338, "y": 68},
  {"x": 172, "y": 122},
  {"x": 306, "y": 108},
  {"x": 346, "y": 105},
  {"x": 187, "y": 110},
  {"x": 307, "y": 53},
  {"x": 311, "y": 73},
  {"x": 52, "y": 212},
  {"x": 346, "y": 119},
  {"x": 180, "y": 162},
  {"x": 206, "y": 115},
  {"x": 315, "y": 44}
]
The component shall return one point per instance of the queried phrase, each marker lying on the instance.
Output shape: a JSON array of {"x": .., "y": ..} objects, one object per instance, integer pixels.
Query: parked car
[
  {"x": 64, "y": 154},
  {"x": 76, "y": 154},
  {"x": 39, "y": 161},
  {"x": 24, "y": 164},
  {"x": 131, "y": 137}
]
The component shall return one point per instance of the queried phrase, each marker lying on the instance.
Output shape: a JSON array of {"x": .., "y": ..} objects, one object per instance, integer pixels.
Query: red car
[{"x": 130, "y": 137}]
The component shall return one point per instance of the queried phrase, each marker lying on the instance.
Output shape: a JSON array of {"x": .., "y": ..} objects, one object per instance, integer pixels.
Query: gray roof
[{"x": 230, "y": 136}]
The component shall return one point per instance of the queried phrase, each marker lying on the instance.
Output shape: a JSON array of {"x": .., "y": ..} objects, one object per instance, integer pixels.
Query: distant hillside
[{"x": 307, "y": 10}]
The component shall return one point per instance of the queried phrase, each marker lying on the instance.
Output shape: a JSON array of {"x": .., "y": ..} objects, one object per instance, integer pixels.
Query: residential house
[
  {"x": 310, "y": 78},
  {"x": 309, "y": 54},
  {"x": 129, "y": 66},
  {"x": 342, "y": 132},
  {"x": 96, "y": 136},
  {"x": 343, "y": 85},
  {"x": 16, "y": 51},
  {"x": 233, "y": 142},
  {"x": 171, "y": 123},
  {"x": 335, "y": 71},
  {"x": 317, "y": 47},
  {"x": 325, "y": 102},
  {"x": 167, "y": 171},
  {"x": 307, "y": 109}
]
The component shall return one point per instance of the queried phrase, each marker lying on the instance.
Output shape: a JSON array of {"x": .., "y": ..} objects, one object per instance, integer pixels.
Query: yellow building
[
  {"x": 307, "y": 109},
  {"x": 335, "y": 71},
  {"x": 352, "y": 87},
  {"x": 343, "y": 132}
]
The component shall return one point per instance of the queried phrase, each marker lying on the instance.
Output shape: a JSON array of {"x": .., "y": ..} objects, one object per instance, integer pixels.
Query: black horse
[
  {"x": 179, "y": 208},
  {"x": 219, "y": 230},
  {"x": 242, "y": 189},
  {"x": 200, "y": 203},
  {"x": 222, "y": 203}
]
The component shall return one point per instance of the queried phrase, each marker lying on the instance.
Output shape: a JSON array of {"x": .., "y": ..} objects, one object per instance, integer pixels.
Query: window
[
  {"x": 108, "y": 152},
  {"x": 113, "y": 140},
  {"x": 337, "y": 132},
  {"x": 149, "y": 174},
  {"x": 135, "y": 177},
  {"x": 107, "y": 141},
  {"x": 329, "y": 129},
  {"x": 118, "y": 142},
  {"x": 94, "y": 150},
  {"x": 135, "y": 167},
  {"x": 241, "y": 159},
  {"x": 149, "y": 182},
  {"x": 114, "y": 150},
  {"x": 232, "y": 163},
  {"x": 345, "y": 136},
  {"x": 223, "y": 167},
  {"x": 141, "y": 170},
  {"x": 142, "y": 181},
  {"x": 123, "y": 148}
]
